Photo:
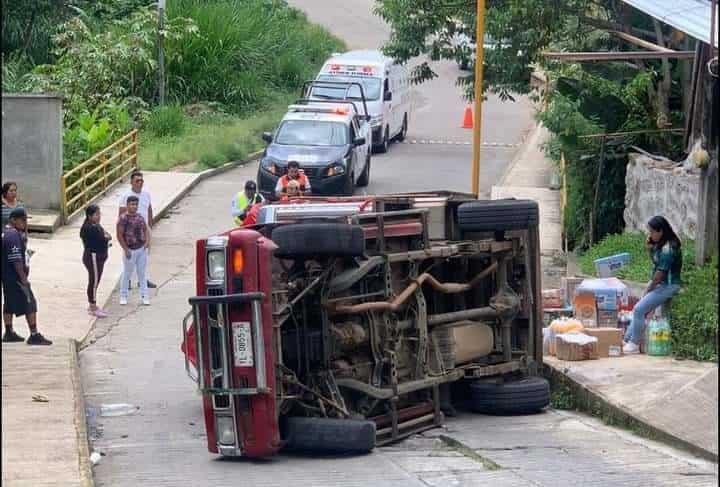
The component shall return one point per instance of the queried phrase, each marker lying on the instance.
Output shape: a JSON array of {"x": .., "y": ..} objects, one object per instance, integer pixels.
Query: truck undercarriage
[{"x": 384, "y": 311}]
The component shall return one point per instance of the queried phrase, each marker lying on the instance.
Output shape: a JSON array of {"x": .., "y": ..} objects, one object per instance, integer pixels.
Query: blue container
[{"x": 608, "y": 266}]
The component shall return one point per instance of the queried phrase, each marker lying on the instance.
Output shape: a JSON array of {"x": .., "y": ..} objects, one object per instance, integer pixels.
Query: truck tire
[
  {"x": 497, "y": 215},
  {"x": 319, "y": 240},
  {"x": 385, "y": 143},
  {"x": 330, "y": 435},
  {"x": 526, "y": 396},
  {"x": 364, "y": 178}
]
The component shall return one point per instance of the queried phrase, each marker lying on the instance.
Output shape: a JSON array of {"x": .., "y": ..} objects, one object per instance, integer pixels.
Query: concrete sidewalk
[
  {"x": 675, "y": 401},
  {"x": 672, "y": 399},
  {"x": 45, "y": 443}
]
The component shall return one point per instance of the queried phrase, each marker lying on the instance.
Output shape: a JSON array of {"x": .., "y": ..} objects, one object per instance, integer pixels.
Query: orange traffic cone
[{"x": 468, "y": 118}]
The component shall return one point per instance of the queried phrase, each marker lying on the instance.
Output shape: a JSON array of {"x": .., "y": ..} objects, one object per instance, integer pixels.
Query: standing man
[
  {"x": 134, "y": 238},
  {"x": 244, "y": 200},
  {"x": 294, "y": 173},
  {"x": 19, "y": 298},
  {"x": 144, "y": 205}
]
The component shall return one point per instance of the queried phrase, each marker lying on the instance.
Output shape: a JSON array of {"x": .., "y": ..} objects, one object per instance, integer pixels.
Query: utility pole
[
  {"x": 477, "y": 128},
  {"x": 161, "y": 52}
]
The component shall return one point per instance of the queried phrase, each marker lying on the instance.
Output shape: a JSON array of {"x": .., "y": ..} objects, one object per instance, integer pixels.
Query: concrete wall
[
  {"x": 32, "y": 147},
  {"x": 654, "y": 190}
]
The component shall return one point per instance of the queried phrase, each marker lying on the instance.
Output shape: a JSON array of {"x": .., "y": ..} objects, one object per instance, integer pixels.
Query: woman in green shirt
[{"x": 666, "y": 254}]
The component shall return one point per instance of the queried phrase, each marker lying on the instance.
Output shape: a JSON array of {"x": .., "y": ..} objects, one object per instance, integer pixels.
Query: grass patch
[
  {"x": 166, "y": 121},
  {"x": 694, "y": 314},
  {"x": 694, "y": 317},
  {"x": 210, "y": 140}
]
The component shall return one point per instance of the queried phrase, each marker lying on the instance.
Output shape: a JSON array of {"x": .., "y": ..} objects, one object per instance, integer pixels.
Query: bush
[
  {"x": 166, "y": 121},
  {"x": 695, "y": 314},
  {"x": 245, "y": 51}
]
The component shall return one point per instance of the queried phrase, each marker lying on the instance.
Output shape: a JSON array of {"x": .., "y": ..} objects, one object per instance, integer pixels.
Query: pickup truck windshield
[
  {"x": 371, "y": 87},
  {"x": 310, "y": 132}
]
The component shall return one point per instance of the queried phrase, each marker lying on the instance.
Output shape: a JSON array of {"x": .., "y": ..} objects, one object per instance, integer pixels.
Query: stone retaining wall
[{"x": 652, "y": 189}]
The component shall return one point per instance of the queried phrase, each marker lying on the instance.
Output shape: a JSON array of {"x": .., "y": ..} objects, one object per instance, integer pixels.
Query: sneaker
[
  {"x": 100, "y": 313},
  {"x": 123, "y": 301},
  {"x": 12, "y": 337},
  {"x": 38, "y": 339},
  {"x": 150, "y": 284},
  {"x": 145, "y": 302},
  {"x": 630, "y": 349}
]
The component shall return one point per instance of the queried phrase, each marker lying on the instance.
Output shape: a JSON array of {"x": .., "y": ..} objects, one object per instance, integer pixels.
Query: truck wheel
[
  {"x": 330, "y": 435},
  {"x": 364, "y": 179},
  {"x": 385, "y": 145},
  {"x": 497, "y": 215},
  {"x": 403, "y": 131},
  {"x": 526, "y": 396},
  {"x": 319, "y": 240}
]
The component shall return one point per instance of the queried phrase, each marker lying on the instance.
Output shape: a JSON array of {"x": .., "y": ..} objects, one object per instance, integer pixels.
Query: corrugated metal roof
[{"x": 689, "y": 16}]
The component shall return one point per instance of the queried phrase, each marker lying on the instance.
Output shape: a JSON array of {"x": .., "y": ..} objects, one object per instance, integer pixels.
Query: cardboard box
[
  {"x": 585, "y": 309},
  {"x": 576, "y": 346},
  {"x": 608, "y": 266},
  {"x": 607, "y": 318},
  {"x": 569, "y": 284},
  {"x": 606, "y": 337},
  {"x": 611, "y": 293},
  {"x": 553, "y": 298}
]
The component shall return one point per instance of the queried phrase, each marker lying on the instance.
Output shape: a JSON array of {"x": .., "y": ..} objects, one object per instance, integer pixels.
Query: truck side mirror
[
  {"x": 388, "y": 96},
  {"x": 267, "y": 137}
]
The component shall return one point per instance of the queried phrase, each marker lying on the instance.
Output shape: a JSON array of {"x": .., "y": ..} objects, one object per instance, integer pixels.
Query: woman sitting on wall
[{"x": 666, "y": 254}]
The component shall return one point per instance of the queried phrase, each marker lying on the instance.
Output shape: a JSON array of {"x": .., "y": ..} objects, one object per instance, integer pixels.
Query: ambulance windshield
[{"x": 371, "y": 86}]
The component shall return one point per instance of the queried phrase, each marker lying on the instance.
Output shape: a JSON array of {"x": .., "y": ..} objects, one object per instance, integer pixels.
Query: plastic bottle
[{"x": 658, "y": 337}]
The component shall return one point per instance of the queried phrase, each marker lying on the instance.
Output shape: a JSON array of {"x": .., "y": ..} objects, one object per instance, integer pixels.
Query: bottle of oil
[{"x": 658, "y": 337}]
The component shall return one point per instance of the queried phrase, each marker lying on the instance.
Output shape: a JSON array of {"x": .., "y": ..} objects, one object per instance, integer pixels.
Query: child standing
[
  {"x": 133, "y": 237},
  {"x": 96, "y": 242}
]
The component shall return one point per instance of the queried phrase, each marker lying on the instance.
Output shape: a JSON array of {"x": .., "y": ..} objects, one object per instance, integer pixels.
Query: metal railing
[{"x": 85, "y": 182}]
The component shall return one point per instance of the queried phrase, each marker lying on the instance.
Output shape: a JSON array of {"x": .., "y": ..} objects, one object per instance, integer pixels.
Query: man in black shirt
[{"x": 19, "y": 298}]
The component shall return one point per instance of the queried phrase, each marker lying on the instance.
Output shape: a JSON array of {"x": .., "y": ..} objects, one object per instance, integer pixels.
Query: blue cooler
[{"x": 608, "y": 266}]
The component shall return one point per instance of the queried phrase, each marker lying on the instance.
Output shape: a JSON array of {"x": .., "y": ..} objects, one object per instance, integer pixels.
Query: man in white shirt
[{"x": 144, "y": 205}]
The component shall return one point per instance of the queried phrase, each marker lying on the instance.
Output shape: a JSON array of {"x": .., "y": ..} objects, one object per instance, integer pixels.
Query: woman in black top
[{"x": 96, "y": 242}]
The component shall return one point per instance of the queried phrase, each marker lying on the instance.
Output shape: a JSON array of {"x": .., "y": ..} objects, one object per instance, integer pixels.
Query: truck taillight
[{"x": 238, "y": 261}]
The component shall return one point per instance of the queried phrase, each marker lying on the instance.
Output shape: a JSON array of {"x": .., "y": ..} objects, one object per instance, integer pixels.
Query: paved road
[
  {"x": 441, "y": 155},
  {"x": 134, "y": 358}
]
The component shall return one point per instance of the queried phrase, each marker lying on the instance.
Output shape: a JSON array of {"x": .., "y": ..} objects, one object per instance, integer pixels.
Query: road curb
[
  {"x": 201, "y": 176},
  {"x": 530, "y": 138},
  {"x": 83, "y": 441},
  {"x": 593, "y": 403}
]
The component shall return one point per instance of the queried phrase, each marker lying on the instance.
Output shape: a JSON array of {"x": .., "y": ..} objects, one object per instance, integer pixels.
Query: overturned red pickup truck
[{"x": 339, "y": 324}]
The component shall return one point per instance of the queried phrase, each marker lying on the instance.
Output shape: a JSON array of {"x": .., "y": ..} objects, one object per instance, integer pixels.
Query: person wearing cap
[
  {"x": 18, "y": 296},
  {"x": 294, "y": 173},
  {"x": 244, "y": 200}
]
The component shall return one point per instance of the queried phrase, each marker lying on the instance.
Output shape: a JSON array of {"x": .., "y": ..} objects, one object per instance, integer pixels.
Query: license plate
[{"x": 242, "y": 344}]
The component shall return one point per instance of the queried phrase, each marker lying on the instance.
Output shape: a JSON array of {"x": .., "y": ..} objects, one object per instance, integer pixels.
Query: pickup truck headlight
[
  {"x": 216, "y": 265},
  {"x": 269, "y": 166},
  {"x": 335, "y": 169}
]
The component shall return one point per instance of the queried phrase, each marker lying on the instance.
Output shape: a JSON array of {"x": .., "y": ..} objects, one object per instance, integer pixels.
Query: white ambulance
[{"x": 386, "y": 86}]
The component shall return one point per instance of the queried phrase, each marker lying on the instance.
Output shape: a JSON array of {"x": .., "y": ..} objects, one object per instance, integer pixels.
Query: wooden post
[
  {"x": 593, "y": 212},
  {"x": 63, "y": 201}
]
